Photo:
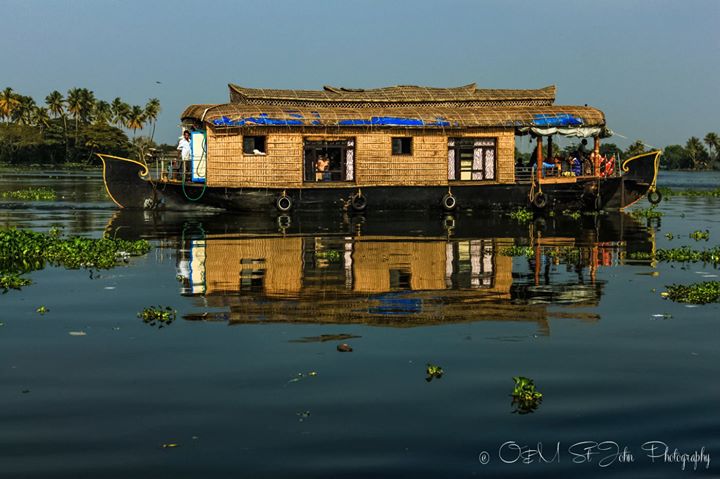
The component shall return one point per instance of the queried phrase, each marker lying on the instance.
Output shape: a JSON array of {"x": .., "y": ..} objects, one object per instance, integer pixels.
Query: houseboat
[{"x": 396, "y": 148}]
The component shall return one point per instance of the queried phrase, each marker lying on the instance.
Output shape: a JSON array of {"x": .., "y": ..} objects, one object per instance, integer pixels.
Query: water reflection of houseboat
[
  {"x": 379, "y": 280},
  {"x": 395, "y": 271}
]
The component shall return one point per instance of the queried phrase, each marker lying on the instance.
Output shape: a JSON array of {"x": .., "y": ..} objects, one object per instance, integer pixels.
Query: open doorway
[{"x": 326, "y": 161}]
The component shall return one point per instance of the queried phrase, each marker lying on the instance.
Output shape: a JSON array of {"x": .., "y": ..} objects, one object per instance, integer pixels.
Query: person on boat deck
[
  {"x": 576, "y": 166},
  {"x": 321, "y": 167},
  {"x": 184, "y": 149},
  {"x": 581, "y": 151}
]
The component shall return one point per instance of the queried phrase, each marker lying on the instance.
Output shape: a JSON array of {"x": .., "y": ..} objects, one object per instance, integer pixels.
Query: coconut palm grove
[{"x": 69, "y": 128}]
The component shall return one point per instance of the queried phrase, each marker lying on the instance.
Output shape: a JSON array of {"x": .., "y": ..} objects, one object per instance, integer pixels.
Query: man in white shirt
[{"x": 184, "y": 149}]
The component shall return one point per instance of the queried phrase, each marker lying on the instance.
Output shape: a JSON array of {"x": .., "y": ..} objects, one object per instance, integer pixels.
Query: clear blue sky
[{"x": 653, "y": 67}]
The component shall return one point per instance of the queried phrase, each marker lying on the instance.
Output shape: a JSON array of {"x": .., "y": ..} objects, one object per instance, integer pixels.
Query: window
[
  {"x": 471, "y": 158},
  {"x": 402, "y": 146},
  {"x": 254, "y": 145},
  {"x": 329, "y": 160},
  {"x": 252, "y": 274},
  {"x": 400, "y": 279}
]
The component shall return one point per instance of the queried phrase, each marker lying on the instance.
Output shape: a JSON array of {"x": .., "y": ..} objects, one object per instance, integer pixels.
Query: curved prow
[
  {"x": 639, "y": 176},
  {"x": 127, "y": 181}
]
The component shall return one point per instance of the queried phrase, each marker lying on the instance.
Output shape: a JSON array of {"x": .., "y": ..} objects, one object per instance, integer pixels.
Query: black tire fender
[
  {"x": 358, "y": 202},
  {"x": 449, "y": 203},
  {"x": 540, "y": 200},
  {"x": 284, "y": 203},
  {"x": 654, "y": 197}
]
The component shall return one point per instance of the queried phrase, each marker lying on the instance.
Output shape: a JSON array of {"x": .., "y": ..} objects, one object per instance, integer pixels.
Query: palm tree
[
  {"x": 120, "y": 111},
  {"x": 24, "y": 110},
  {"x": 696, "y": 151},
  {"x": 8, "y": 103},
  {"x": 637, "y": 148},
  {"x": 41, "y": 117},
  {"x": 55, "y": 103},
  {"x": 102, "y": 112},
  {"x": 135, "y": 119},
  {"x": 75, "y": 107},
  {"x": 152, "y": 110},
  {"x": 712, "y": 140},
  {"x": 87, "y": 98},
  {"x": 56, "y": 106}
]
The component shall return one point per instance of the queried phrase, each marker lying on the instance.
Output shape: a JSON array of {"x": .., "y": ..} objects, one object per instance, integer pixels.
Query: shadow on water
[{"x": 388, "y": 269}]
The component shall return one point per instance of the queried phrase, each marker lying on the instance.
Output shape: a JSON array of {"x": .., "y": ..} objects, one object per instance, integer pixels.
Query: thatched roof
[
  {"x": 395, "y": 106},
  {"x": 235, "y": 114},
  {"x": 402, "y": 95}
]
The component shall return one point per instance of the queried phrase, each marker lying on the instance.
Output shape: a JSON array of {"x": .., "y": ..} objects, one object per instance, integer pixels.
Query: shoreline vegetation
[{"x": 68, "y": 130}]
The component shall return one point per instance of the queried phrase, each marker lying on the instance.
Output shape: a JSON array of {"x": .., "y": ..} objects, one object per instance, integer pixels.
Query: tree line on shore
[{"x": 71, "y": 128}]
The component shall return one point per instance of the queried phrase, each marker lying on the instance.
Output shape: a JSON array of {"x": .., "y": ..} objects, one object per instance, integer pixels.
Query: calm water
[{"x": 229, "y": 381}]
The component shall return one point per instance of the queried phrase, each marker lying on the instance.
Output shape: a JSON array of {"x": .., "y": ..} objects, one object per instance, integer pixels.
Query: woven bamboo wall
[
  {"x": 281, "y": 258},
  {"x": 281, "y": 167},
  {"x": 372, "y": 262},
  {"x": 375, "y": 165}
]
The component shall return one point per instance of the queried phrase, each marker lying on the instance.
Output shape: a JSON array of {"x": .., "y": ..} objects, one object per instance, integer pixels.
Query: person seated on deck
[
  {"x": 322, "y": 166},
  {"x": 576, "y": 166},
  {"x": 183, "y": 152}
]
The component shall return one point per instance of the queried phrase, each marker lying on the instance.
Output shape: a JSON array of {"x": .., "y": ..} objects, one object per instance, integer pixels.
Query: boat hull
[{"x": 129, "y": 185}]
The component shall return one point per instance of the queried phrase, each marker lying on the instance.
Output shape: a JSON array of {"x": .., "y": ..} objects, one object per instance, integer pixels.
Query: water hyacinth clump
[
  {"x": 30, "y": 194},
  {"x": 26, "y": 250},
  {"x": 10, "y": 281},
  {"x": 698, "y": 235},
  {"x": 683, "y": 254},
  {"x": 647, "y": 213},
  {"x": 525, "y": 398},
  {"x": 669, "y": 192},
  {"x": 572, "y": 214},
  {"x": 697, "y": 293},
  {"x": 22, "y": 251},
  {"x": 522, "y": 215},
  {"x": 158, "y": 316},
  {"x": 514, "y": 251},
  {"x": 433, "y": 371}
]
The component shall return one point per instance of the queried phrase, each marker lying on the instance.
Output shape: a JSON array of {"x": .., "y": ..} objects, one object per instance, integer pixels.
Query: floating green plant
[
  {"x": 697, "y": 293},
  {"x": 669, "y": 192},
  {"x": 433, "y": 371},
  {"x": 26, "y": 250},
  {"x": 525, "y": 398},
  {"x": 522, "y": 215},
  {"x": 31, "y": 194},
  {"x": 42, "y": 310},
  {"x": 10, "y": 281},
  {"x": 330, "y": 255},
  {"x": 683, "y": 254},
  {"x": 158, "y": 316},
  {"x": 648, "y": 213},
  {"x": 698, "y": 235},
  {"x": 572, "y": 214},
  {"x": 518, "y": 251},
  {"x": 669, "y": 236}
]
